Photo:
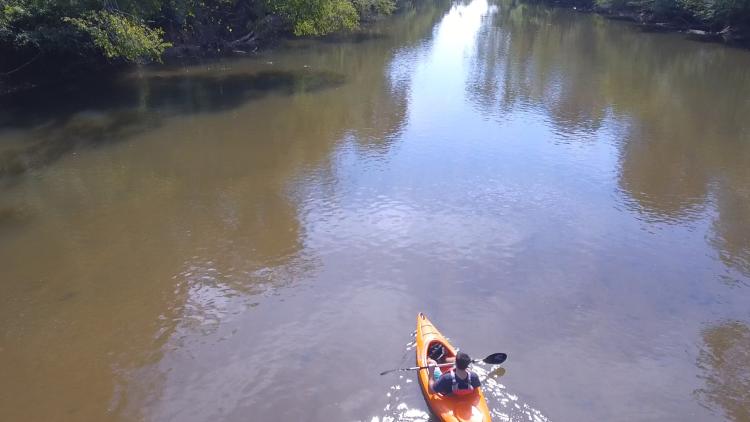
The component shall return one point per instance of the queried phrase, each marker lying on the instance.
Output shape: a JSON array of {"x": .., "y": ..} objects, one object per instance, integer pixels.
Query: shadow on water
[
  {"x": 181, "y": 94},
  {"x": 132, "y": 106},
  {"x": 171, "y": 92},
  {"x": 725, "y": 361},
  {"x": 85, "y": 129},
  {"x": 355, "y": 38},
  {"x": 13, "y": 218}
]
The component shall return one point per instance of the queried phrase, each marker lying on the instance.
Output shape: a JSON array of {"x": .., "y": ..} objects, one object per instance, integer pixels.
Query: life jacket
[{"x": 456, "y": 389}]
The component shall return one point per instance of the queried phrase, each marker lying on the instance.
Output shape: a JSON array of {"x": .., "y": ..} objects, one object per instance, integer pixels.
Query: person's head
[{"x": 462, "y": 360}]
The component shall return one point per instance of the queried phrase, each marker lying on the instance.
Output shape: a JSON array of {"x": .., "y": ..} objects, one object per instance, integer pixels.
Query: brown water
[{"x": 251, "y": 240}]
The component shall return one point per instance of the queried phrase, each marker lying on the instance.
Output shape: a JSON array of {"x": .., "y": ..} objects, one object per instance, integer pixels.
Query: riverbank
[
  {"x": 46, "y": 42},
  {"x": 699, "y": 20}
]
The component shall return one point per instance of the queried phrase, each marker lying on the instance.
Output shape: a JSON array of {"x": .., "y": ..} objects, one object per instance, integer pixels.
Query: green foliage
[
  {"x": 374, "y": 7},
  {"x": 120, "y": 36},
  {"x": 727, "y": 12},
  {"x": 317, "y": 17},
  {"x": 714, "y": 13},
  {"x": 613, "y": 4},
  {"x": 77, "y": 28},
  {"x": 93, "y": 32},
  {"x": 29, "y": 23},
  {"x": 320, "y": 17}
]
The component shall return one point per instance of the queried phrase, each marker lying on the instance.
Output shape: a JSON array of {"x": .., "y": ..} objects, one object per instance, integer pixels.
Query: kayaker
[
  {"x": 459, "y": 380},
  {"x": 437, "y": 355}
]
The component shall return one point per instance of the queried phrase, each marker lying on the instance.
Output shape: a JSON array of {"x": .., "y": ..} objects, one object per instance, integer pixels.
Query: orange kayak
[{"x": 463, "y": 408}]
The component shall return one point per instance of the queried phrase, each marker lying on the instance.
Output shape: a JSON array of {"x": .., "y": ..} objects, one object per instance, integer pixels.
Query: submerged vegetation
[{"x": 86, "y": 34}]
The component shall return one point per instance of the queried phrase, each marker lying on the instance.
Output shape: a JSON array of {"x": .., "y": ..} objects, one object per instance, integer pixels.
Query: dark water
[{"x": 251, "y": 240}]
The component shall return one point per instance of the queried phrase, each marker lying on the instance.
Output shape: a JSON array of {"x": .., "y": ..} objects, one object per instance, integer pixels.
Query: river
[{"x": 251, "y": 239}]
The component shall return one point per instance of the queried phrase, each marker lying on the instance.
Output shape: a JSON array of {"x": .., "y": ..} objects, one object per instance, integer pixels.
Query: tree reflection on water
[
  {"x": 725, "y": 361},
  {"x": 684, "y": 146}
]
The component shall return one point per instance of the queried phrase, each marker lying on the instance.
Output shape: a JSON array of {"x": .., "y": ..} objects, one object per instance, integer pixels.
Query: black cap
[{"x": 462, "y": 360}]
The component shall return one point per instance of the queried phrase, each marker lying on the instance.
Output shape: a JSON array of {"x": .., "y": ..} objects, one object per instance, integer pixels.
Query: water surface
[{"x": 252, "y": 239}]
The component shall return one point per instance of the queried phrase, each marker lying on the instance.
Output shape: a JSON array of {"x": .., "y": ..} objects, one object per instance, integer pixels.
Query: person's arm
[
  {"x": 430, "y": 369},
  {"x": 439, "y": 386},
  {"x": 475, "y": 380}
]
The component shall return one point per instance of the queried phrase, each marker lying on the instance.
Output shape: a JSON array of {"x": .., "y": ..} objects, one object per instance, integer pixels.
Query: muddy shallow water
[{"x": 252, "y": 239}]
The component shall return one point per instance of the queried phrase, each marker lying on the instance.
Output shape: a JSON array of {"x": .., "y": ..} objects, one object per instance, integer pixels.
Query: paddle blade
[{"x": 495, "y": 358}]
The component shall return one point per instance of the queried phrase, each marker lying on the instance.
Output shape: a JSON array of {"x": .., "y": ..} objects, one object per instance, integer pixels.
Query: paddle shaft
[
  {"x": 441, "y": 365},
  {"x": 416, "y": 368}
]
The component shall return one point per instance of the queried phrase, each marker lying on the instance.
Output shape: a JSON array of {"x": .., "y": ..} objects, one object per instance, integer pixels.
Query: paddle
[{"x": 493, "y": 359}]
